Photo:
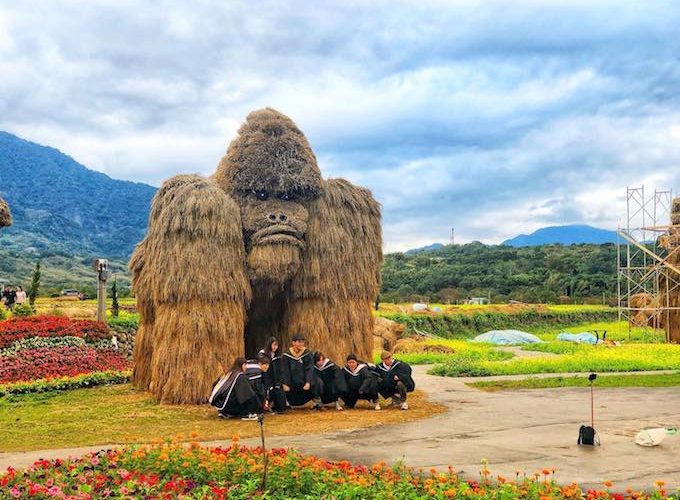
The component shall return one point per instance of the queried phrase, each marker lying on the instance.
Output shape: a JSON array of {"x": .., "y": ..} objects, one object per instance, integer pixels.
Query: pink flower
[
  {"x": 54, "y": 491},
  {"x": 15, "y": 492},
  {"x": 94, "y": 461}
]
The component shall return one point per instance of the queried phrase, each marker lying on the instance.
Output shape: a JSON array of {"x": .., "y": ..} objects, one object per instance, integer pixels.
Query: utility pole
[
  {"x": 102, "y": 268},
  {"x": 453, "y": 236}
]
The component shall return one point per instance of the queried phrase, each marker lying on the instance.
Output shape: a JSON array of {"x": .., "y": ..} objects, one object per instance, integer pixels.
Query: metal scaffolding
[{"x": 642, "y": 259}]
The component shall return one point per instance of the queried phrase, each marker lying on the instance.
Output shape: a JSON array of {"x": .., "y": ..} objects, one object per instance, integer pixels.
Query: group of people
[
  {"x": 275, "y": 382},
  {"x": 13, "y": 296}
]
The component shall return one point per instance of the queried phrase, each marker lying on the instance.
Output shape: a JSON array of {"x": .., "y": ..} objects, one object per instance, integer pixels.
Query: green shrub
[
  {"x": 124, "y": 321},
  {"x": 23, "y": 310}
]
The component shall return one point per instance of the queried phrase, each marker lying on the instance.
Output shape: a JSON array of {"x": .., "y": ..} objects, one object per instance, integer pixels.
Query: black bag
[{"x": 588, "y": 435}]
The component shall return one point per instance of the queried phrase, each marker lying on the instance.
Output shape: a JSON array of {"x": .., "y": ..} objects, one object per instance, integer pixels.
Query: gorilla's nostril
[
  {"x": 272, "y": 217},
  {"x": 282, "y": 217}
]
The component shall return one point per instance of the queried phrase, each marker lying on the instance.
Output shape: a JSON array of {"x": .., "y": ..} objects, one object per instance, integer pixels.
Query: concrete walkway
[{"x": 525, "y": 430}]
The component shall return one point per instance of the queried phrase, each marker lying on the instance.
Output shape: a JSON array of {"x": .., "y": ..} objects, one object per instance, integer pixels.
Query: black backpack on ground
[{"x": 587, "y": 435}]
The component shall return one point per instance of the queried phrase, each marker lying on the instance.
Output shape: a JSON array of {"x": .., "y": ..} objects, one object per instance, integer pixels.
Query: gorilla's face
[
  {"x": 273, "y": 218},
  {"x": 271, "y": 171},
  {"x": 274, "y": 227}
]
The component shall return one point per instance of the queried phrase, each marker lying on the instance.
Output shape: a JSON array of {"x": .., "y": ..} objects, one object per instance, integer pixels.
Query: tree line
[{"x": 582, "y": 273}]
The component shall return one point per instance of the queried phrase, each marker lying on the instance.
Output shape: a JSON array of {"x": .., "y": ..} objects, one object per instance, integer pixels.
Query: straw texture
[
  {"x": 5, "y": 214},
  {"x": 264, "y": 247}
]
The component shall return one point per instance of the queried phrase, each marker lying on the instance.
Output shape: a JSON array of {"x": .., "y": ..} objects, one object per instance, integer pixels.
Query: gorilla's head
[
  {"x": 5, "y": 215},
  {"x": 271, "y": 171}
]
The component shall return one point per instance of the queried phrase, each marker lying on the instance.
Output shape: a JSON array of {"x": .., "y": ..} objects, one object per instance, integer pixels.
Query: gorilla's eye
[
  {"x": 261, "y": 195},
  {"x": 285, "y": 196}
]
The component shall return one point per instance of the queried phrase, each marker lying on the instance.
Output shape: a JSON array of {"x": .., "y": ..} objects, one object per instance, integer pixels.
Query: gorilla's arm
[
  {"x": 332, "y": 295},
  {"x": 192, "y": 291},
  {"x": 5, "y": 214}
]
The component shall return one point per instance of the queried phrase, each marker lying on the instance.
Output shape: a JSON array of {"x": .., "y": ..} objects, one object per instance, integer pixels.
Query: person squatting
[{"x": 275, "y": 382}]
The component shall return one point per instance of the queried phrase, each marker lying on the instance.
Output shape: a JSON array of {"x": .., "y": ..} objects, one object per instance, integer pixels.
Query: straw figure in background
[
  {"x": 265, "y": 247},
  {"x": 5, "y": 214},
  {"x": 668, "y": 287}
]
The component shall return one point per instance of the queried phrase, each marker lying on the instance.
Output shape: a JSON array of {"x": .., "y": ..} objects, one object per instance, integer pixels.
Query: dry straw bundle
[
  {"x": 673, "y": 323},
  {"x": 192, "y": 290},
  {"x": 265, "y": 247},
  {"x": 5, "y": 214}
]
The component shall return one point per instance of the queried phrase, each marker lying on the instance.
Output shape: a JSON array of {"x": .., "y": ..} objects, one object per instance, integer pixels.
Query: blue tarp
[
  {"x": 507, "y": 337},
  {"x": 580, "y": 338}
]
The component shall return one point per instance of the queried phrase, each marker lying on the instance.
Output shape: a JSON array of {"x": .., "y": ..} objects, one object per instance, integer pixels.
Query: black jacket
[
  {"x": 231, "y": 391},
  {"x": 257, "y": 381},
  {"x": 272, "y": 377},
  {"x": 399, "y": 369},
  {"x": 296, "y": 371},
  {"x": 332, "y": 381},
  {"x": 361, "y": 381}
]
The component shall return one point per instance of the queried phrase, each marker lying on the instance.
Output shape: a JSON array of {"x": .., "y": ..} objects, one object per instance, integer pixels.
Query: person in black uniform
[
  {"x": 329, "y": 382},
  {"x": 361, "y": 382},
  {"x": 396, "y": 380},
  {"x": 256, "y": 371},
  {"x": 296, "y": 372},
  {"x": 232, "y": 394},
  {"x": 272, "y": 378}
]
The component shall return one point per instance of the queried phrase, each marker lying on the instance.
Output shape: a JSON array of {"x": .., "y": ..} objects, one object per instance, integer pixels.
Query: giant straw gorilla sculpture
[
  {"x": 264, "y": 247},
  {"x": 5, "y": 214}
]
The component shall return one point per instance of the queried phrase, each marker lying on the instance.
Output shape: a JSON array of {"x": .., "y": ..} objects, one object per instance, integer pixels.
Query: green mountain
[
  {"x": 58, "y": 203},
  {"x": 65, "y": 215}
]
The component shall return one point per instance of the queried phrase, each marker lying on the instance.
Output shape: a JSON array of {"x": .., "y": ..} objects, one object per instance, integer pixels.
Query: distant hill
[
  {"x": 564, "y": 235},
  {"x": 433, "y": 246},
  {"x": 58, "y": 204},
  {"x": 65, "y": 215}
]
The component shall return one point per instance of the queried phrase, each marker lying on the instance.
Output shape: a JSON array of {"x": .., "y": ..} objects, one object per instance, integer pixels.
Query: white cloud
[{"x": 493, "y": 118}]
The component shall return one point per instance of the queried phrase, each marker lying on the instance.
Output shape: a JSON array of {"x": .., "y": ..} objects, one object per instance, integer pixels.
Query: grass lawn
[
  {"x": 120, "y": 414},
  {"x": 625, "y": 358},
  {"x": 616, "y": 330},
  {"x": 606, "y": 381},
  {"x": 644, "y": 352},
  {"x": 461, "y": 349}
]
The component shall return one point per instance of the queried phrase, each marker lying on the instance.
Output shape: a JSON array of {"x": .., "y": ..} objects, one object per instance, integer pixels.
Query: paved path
[{"x": 520, "y": 430}]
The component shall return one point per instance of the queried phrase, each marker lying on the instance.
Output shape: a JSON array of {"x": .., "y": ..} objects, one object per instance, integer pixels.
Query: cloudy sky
[{"x": 494, "y": 117}]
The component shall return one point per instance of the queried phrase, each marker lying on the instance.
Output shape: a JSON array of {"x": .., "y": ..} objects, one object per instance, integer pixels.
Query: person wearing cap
[
  {"x": 361, "y": 383},
  {"x": 296, "y": 372},
  {"x": 396, "y": 381}
]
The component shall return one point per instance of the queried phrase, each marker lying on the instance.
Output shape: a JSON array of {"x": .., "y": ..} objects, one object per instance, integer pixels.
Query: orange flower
[
  {"x": 450, "y": 493},
  {"x": 608, "y": 483},
  {"x": 660, "y": 483}
]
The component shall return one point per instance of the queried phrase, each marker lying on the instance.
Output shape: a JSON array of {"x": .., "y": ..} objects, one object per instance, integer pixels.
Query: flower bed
[
  {"x": 51, "y": 326},
  {"x": 170, "y": 470},
  {"x": 61, "y": 383},
  {"x": 47, "y": 362},
  {"x": 45, "y": 347}
]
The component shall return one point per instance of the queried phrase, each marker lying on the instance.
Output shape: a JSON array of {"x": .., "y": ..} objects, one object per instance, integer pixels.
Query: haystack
[
  {"x": 386, "y": 333},
  {"x": 5, "y": 214},
  {"x": 671, "y": 322},
  {"x": 646, "y": 305},
  {"x": 264, "y": 247}
]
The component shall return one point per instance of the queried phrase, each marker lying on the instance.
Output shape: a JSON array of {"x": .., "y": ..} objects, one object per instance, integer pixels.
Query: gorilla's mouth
[{"x": 278, "y": 233}]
